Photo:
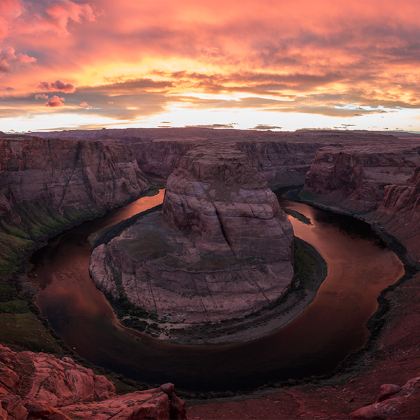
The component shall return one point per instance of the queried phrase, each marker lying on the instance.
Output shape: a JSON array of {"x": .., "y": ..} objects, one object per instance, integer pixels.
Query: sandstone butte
[{"x": 220, "y": 249}]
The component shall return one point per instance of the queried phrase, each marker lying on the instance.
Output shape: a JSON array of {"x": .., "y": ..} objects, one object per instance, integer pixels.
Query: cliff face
[
  {"x": 380, "y": 184},
  {"x": 38, "y": 385},
  {"x": 281, "y": 163},
  {"x": 399, "y": 212},
  {"x": 217, "y": 197},
  {"x": 221, "y": 249},
  {"x": 46, "y": 185},
  {"x": 282, "y": 157}
]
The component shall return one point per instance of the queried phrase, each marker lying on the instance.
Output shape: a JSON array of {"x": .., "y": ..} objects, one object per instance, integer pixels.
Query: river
[{"x": 330, "y": 328}]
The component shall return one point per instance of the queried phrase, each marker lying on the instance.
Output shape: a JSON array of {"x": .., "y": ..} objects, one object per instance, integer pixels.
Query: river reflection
[{"x": 330, "y": 328}]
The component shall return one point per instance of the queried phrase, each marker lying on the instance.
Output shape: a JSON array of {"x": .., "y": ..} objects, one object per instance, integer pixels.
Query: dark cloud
[
  {"x": 57, "y": 86},
  {"x": 213, "y": 126},
  {"x": 267, "y": 127}
]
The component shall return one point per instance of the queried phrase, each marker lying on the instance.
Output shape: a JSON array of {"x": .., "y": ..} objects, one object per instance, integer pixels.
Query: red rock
[
  {"x": 220, "y": 250},
  {"x": 382, "y": 185},
  {"x": 387, "y": 390},
  {"x": 402, "y": 404},
  {"x": 45, "y": 387}
]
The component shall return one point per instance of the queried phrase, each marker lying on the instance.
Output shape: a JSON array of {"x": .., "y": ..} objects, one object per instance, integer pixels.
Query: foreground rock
[
  {"x": 38, "y": 385},
  {"x": 393, "y": 402},
  {"x": 381, "y": 185},
  {"x": 221, "y": 248}
]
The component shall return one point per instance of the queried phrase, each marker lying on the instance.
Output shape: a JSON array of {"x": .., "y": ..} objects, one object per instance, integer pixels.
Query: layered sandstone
[
  {"x": 221, "y": 248},
  {"x": 38, "y": 385},
  {"x": 399, "y": 212},
  {"x": 381, "y": 185},
  {"x": 47, "y": 185},
  {"x": 282, "y": 157}
]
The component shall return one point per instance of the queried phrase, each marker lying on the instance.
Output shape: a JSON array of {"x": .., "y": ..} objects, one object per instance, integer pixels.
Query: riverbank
[
  {"x": 390, "y": 356},
  {"x": 310, "y": 272},
  {"x": 306, "y": 380},
  {"x": 22, "y": 325}
]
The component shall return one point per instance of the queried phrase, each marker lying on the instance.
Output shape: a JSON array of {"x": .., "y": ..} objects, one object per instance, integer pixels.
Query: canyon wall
[
  {"x": 282, "y": 157},
  {"x": 380, "y": 185},
  {"x": 48, "y": 185},
  {"x": 281, "y": 163}
]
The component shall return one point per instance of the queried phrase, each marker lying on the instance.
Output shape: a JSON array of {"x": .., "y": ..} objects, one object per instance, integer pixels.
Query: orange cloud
[
  {"x": 133, "y": 58},
  {"x": 10, "y": 59},
  {"x": 55, "y": 101}
]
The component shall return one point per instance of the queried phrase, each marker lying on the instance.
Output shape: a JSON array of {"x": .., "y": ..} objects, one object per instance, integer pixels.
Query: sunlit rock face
[
  {"x": 41, "y": 386},
  {"x": 220, "y": 249}
]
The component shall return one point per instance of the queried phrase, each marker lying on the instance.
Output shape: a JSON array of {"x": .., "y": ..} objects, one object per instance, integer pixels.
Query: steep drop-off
[
  {"x": 378, "y": 184},
  {"x": 48, "y": 185}
]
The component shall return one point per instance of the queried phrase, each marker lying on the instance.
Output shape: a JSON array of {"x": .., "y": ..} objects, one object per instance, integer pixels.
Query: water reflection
[{"x": 331, "y": 327}]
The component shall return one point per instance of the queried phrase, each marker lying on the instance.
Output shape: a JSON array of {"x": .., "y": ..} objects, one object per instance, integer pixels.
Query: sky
[{"x": 262, "y": 64}]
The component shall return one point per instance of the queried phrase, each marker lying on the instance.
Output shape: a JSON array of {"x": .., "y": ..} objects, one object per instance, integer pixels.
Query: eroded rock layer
[
  {"x": 47, "y": 185},
  {"x": 380, "y": 185},
  {"x": 220, "y": 249},
  {"x": 282, "y": 157},
  {"x": 41, "y": 386}
]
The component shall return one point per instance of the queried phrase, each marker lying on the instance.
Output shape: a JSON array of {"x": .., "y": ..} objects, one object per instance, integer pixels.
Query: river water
[{"x": 329, "y": 329}]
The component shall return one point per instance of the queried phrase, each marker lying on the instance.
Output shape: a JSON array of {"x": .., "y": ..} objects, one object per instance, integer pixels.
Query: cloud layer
[{"x": 130, "y": 61}]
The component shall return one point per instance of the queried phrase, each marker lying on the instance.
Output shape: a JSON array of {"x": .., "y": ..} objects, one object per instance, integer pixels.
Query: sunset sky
[{"x": 285, "y": 64}]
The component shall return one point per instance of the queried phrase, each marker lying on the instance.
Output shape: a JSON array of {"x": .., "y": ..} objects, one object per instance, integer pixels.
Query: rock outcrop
[
  {"x": 378, "y": 184},
  {"x": 38, "y": 385},
  {"x": 220, "y": 249},
  {"x": 48, "y": 185},
  {"x": 393, "y": 402}
]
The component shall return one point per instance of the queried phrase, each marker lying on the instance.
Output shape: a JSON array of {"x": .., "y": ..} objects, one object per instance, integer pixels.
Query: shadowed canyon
[{"x": 266, "y": 274}]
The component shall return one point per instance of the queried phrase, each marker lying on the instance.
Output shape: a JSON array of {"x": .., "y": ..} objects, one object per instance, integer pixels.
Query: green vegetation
[
  {"x": 19, "y": 326},
  {"x": 309, "y": 266},
  {"x": 37, "y": 223},
  {"x": 299, "y": 216},
  {"x": 16, "y": 306},
  {"x": 306, "y": 195},
  {"x": 26, "y": 331}
]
